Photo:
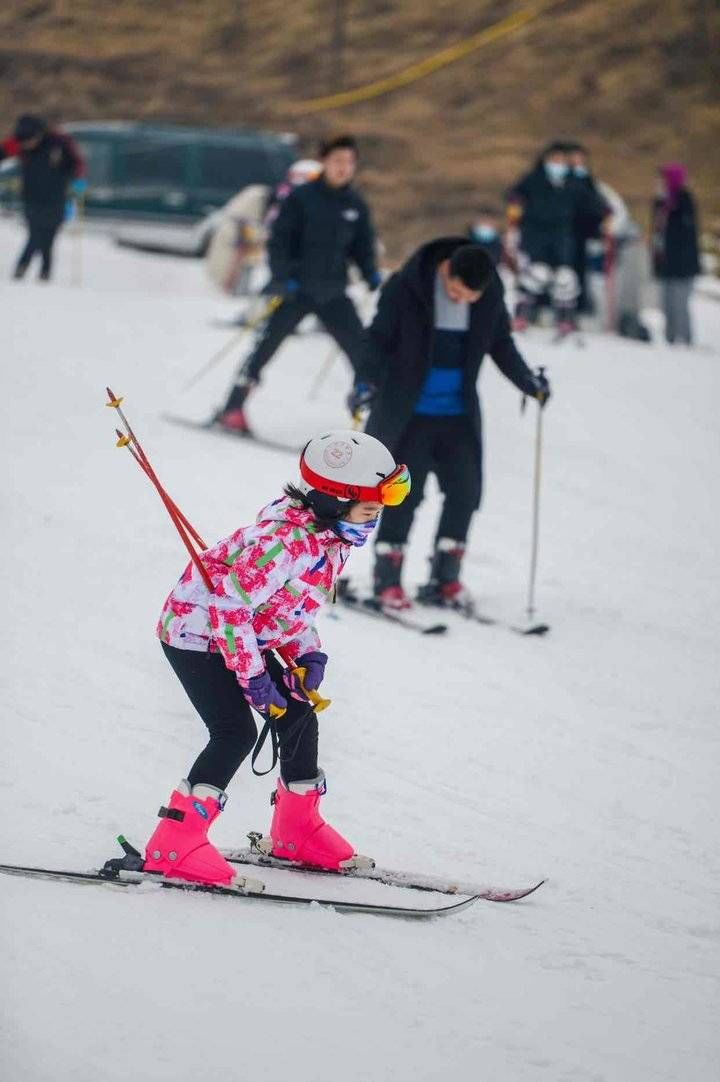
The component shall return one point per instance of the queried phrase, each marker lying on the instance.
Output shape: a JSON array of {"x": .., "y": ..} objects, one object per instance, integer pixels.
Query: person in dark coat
[
  {"x": 49, "y": 162},
  {"x": 542, "y": 206},
  {"x": 675, "y": 255},
  {"x": 437, "y": 318},
  {"x": 590, "y": 213},
  {"x": 321, "y": 227}
]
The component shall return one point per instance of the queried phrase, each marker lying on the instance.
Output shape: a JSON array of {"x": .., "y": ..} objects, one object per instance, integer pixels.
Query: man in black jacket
[
  {"x": 321, "y": 227},
  {"x": 436, "y": 319},
  {"x": 49, "y": 162}
]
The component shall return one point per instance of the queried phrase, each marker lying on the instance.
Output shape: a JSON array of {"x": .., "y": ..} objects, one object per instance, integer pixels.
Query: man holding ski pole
[
  {"x": 436, "y": 319},
  {"x": 321, "y": 227}
]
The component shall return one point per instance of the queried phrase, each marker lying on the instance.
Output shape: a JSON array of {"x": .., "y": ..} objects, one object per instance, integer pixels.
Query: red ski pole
[
  {"x": 186, "y": 530},
  {"x": 181, "y": 523}
]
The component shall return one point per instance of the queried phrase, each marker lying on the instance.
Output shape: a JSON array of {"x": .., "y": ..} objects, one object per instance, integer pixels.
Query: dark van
[{"x": 168, "y": 172}]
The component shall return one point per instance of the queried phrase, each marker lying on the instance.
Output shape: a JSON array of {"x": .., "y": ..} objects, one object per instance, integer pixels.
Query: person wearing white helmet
[
  {"x": 269, "y": 580},
  {"x": 300, "y": 172}
]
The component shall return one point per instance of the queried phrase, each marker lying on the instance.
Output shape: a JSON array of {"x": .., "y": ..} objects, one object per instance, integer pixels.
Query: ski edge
[
  {"x": 249, "y": 438},
  {"x": 251, "y": 857},
  {"x": 376, "y": 612},
  {"x": 135, "y": 879}
]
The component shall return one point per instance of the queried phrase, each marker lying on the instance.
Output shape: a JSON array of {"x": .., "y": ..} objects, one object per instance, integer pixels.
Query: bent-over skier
[
  {"x": 437, "y": 318},
  {"x": 269, "y": 580}
]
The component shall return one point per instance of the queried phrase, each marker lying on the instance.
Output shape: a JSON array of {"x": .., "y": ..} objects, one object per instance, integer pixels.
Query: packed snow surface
[{"x": 590, "y": 756}]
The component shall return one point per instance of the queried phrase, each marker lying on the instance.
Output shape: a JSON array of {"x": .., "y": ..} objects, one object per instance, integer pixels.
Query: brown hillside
[{"x": 636, "y": 79}]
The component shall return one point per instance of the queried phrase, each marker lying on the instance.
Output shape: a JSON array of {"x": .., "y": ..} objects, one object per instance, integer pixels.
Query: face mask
[
  {"x": 484, "y": 233},
  {"x": 580, "y": 171},
  {"x": 556, "y": 171},
  {"x": 356, "y": 533}
]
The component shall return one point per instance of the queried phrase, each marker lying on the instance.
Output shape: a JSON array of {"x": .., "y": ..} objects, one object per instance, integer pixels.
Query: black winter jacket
[
  {"x": 549, "y": 210},
  {"x": 398, "y": 356},
  {"x": 318, "y": 230},
  {"x": 46, "y": 171},
  {"x": 675, "y": 238},
  {"x": 590, "y": 207}
]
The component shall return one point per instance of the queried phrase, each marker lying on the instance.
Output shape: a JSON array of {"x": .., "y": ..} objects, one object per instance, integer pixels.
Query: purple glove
[
  {"x": 314, "y": 664},
  {"x": 261, "y": 693}
]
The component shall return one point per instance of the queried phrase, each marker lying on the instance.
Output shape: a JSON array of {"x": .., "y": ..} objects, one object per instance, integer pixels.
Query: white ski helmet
[
  {"x": 303, "y": 171},
  {"x": 351, "y": 466}
]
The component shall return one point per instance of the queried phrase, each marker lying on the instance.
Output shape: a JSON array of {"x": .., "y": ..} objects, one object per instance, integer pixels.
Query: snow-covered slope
[{"x": 590, "y": 756}]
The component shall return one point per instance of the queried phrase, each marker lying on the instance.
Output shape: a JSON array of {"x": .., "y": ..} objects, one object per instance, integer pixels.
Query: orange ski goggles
[{"x": 390, "y": 492}]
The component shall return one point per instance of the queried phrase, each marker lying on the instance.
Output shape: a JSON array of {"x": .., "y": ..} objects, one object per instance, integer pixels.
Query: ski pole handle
[{"x": 313, "y": 697}]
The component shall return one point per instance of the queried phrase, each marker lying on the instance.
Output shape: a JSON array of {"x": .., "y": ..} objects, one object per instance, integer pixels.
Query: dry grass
[{"x": 635, "y": 79}]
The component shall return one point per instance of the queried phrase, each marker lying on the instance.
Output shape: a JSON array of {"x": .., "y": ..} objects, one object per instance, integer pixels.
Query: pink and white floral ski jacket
[{"x": 268, "y": 580}]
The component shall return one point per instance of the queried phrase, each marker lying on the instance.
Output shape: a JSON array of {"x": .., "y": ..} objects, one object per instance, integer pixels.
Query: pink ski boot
[
  {"x": 180, "y": 849},
  {"x": 299, "y": 833}
]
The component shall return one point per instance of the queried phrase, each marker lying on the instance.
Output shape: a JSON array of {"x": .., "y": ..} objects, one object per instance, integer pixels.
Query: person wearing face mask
[
  {"x": 50, "y": 162},
  {"x": 437, "y": 318},
  {"x": 269, "y": 580},
  {"x": 591, "y": 213},
  {"x": 485, "y": 231},
  {"x": 541, "y": 209},
  {"x": 321, "y": 227},
  {"x": 674, "y": 249}
]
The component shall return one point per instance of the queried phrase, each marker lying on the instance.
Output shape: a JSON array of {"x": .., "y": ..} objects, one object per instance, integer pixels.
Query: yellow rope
[{"x": 424, "y": 67}]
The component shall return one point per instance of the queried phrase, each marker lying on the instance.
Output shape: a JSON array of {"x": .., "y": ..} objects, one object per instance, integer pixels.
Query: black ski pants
[
  {"x": 218, "y": 698},
  {"x": 41, "y": 237},
  {"x": 447, "y": 447},
  {"x": 337, "y": 315}
]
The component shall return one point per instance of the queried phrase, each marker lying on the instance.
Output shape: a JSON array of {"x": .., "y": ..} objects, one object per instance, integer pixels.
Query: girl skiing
[{"x": 269, "y": 580}]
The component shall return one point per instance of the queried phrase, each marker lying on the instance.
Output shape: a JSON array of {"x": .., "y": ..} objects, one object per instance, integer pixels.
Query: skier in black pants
[
  {"x": 320, "y": 228},
  {"x": 49, "y": 162},
  {"x": 436, "y": 319}
]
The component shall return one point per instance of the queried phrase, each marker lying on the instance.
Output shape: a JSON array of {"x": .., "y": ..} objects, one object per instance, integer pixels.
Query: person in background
[
  {"x": 49, "y": 162},
  {"x": 436, "y": 319},
  {"x": 674, "y": 249},
  {"x": 590, "y": 215},
  {"x": 541, "y": 210},
  {"x": 485, "y": 231},
  {"x": 300, "y": 172},
  {"x": 322, "y": 226}
]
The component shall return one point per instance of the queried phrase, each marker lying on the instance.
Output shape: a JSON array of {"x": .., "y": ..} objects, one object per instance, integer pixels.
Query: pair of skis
[
  {"x": 410, "y": 619},
  {"x": 447, "y": 897}
]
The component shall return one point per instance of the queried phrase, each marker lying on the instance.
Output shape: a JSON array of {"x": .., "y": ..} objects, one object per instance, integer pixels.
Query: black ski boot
[
  {"x": 444, "y": 587},
  {"x": 232, "y": 417},
  {"x": 387, "y": 590}
]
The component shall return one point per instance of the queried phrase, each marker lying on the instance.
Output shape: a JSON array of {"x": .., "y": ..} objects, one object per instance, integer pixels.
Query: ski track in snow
[{"x": 590, "y": 756}]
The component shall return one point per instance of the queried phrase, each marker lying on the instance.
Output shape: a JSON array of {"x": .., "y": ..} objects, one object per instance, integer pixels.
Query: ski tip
[
  {"x": 436, "y": 629},
  {"x": 510, "y": 895},
  {"x": 537, "y": 629}
]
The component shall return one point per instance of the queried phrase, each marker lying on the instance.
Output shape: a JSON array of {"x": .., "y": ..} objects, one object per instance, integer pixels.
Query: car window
[
  {"x": 152, "y": 163},
  {"x": 232, "y": 168},
  {"x": 98, "y": 161}
]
